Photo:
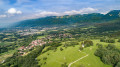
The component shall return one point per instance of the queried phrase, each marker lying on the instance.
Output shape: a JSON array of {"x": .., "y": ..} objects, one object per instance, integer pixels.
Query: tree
[
  {"x": 110, "y": 47},
  {"x": 102, "y": 40},
  {"x": 118, "y": 40},
  {"x": 109, "y": 54},
  {"x": 45, "y": 58},
  {"x": 61, "y": 49},
  {"x": 118, "y": 64},
  {"x": 81, "y": 48},
  {"x": 88, "y": 43}
]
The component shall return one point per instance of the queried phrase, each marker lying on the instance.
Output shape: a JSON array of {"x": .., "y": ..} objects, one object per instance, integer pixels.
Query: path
[{"x": 77, "y": 60}]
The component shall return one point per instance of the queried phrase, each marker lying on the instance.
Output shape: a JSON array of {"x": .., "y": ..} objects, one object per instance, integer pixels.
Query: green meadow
[
  {"x": 71, "y": 54},
  {"x": 39, "y": 37}
]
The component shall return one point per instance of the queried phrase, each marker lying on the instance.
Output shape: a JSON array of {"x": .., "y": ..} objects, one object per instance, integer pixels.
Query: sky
[{"x": 17, "y": 10}]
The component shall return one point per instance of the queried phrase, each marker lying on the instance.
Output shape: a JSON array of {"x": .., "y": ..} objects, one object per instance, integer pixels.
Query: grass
[
  {"x": 70, "y": 54},
  {"x": 39, "y": 37},
  {"x": 55, "y": 59},
  {"x": 91, "y": 60}
]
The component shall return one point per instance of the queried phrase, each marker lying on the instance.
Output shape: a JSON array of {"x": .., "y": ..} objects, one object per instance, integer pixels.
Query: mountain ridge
[{"x": 69, "y": 19}]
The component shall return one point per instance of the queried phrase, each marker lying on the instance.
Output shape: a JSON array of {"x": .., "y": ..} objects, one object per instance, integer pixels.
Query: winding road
[{"x": 77, "y": 60}]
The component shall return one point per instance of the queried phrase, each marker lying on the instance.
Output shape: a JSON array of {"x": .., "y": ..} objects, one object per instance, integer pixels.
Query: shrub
[
  {"x": 107, "y": 40},
  {"x": 61, "y": 49},
  {"x": 81, "y": 48},
  {"x": 45, "y": 58},
  {"x": 64, "y": 65},
  {"x": 118, "y": 40},
  {"x": 88, "y": 43}
]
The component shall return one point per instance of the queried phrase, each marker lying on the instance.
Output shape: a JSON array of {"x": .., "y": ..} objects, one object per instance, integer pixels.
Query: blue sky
[{"x": 17, "y": 10}]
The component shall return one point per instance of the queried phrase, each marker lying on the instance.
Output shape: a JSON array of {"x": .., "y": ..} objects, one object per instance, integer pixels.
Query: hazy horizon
[{"x": 17, "y": 10}]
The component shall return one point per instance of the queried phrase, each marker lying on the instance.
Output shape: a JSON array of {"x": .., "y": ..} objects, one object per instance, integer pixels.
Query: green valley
[{"x": 87, "y": 40}]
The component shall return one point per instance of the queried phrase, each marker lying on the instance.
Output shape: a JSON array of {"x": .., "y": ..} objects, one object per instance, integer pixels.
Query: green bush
[
  {"x": 87, "y": 43},
  {"x": 61, "y": 49}
]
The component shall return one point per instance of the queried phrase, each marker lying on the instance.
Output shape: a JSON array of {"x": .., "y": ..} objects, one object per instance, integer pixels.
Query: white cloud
[
  {"x": 19, "y": 12},
  {"x": 41, "y": 13},
  {"x": 2, "y": 16},
  {"x": 81, "y": 11},
  {"x": 104, "y": 12},
  {"x": 14, "y": 11},
  {"x": 47, "y": 13}
]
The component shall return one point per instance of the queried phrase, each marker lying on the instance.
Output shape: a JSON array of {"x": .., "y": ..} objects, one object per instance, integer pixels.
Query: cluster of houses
[
  {"x": 40, "y": 42},
  {"x": 34, "y": 43}
]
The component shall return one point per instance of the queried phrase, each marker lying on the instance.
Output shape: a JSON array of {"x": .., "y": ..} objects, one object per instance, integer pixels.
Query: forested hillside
[
  {"x": 109, "y": 26},
  {"x": 69, "y": 19}
]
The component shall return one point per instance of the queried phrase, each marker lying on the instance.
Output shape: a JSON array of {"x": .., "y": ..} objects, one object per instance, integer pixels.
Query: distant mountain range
[{"x": 69, "y": 19}]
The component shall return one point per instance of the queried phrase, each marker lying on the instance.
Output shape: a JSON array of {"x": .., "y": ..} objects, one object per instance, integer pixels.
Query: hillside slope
[{"x": 69, "y": 19}]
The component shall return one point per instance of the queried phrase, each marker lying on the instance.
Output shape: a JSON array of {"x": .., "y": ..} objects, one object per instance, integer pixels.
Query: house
[{"x": 83, "y": 45}]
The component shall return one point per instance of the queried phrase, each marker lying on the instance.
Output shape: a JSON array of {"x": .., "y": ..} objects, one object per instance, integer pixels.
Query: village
[{"x": 39, "y": 42}]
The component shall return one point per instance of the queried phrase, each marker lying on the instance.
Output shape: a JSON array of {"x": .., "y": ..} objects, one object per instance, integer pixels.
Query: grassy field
[
  {"x": 39, "y": 37},
  {"x": 70, "y": 54},
  {"x": 91, "y": 60},
  {"x": 55, "y": 59}
]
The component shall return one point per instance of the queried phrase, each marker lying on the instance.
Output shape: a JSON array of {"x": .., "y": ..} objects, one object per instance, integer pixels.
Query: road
[{"x": 77, "y": 60}]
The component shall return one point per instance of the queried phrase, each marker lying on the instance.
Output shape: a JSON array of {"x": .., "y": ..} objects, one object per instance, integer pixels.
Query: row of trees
[
  {"x": 70, "y": 43},
  {"x": 52, "y": 46},
  {"x": 107, "y": 40}
]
